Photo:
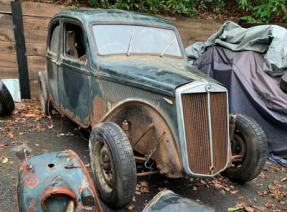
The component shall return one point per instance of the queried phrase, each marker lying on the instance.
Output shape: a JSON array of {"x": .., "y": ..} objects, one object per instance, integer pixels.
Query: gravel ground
[{"x": 27, "y": 125}]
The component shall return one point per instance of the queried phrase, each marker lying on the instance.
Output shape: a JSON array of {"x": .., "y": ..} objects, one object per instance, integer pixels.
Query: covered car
[{"x": 250, "y": 63}]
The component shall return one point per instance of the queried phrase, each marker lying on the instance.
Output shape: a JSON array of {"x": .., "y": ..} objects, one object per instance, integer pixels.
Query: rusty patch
[
  {"x": 32, "y": 206},
  {"x": 76, "y": 119},
  {"x": 99, "y": 108},
  {"x": 30, "y": 179}
]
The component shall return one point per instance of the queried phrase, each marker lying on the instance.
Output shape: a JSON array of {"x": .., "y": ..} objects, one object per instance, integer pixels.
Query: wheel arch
[{"x": 135, "y": 117}]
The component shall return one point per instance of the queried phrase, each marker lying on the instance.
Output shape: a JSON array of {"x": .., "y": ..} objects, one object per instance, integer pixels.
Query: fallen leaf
[
  {"x": 234, "y": 192},
  {"x": 11, "y": 135},
  {"x": 30, "y": 115},
  {"x": 202, "y": 182},
  {"x": 283, "y": 179},
  {"x": 144, "y": 186},
  {"x": 234, "y": 209},
  {"x": 194, "y": 188},
  {"x": 249, "y": 209},
  {"x": 60, "y": 134},
  {"x": 240, "y": 197},
  {"x": 5, "y": 160},
  {"x": 12, "y": 163},
  {"x": 262, "y": 175},
  {"x": 130, "y": 207},
  {"x": 161, "y": 188}
]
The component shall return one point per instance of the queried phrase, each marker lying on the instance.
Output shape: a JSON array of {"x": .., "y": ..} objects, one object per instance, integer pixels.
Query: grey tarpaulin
[
  {"x": 251, "y": 92},
  {"x": 270, "y": 40}
]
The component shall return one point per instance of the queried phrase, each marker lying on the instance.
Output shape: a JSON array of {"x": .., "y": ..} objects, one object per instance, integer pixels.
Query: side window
[
  {"x": 54, "y": 39},
  {"x": 74, "y": 42}
]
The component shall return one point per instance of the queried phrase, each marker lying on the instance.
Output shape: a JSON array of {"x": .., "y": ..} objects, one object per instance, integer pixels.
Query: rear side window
[
  {"x": 74, "y": 42},
  {"x": 54, "y": 41}
]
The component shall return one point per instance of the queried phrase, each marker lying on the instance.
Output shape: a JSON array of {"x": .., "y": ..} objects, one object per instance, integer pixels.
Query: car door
[
  {"x": 52, "y": 58},
  {"x": 74, "y": 74}
]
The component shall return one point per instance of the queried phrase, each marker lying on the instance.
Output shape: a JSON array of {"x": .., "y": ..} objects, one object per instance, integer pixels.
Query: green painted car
[{"x": 125, "y": 76}]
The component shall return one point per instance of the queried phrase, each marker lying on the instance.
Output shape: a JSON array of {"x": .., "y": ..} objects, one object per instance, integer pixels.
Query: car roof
[{"x": 114, "y": 16}]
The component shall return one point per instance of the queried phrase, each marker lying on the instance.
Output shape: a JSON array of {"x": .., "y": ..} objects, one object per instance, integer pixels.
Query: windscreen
[{"x": 129, "y": 39}]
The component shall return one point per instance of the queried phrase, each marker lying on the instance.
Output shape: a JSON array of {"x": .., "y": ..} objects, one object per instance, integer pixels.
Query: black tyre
[
  {"x": 44, "y": 93},
  {"x": 250, "y": 142},
  {"x": 1, "y": 108},
  {"x": 283, "y": 82},
  {"x": 6, "y": 100},
  {"x": 113, "y": 164}
]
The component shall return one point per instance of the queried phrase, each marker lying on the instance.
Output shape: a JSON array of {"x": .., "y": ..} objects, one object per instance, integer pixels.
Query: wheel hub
[{"x": 103, "y": 166}]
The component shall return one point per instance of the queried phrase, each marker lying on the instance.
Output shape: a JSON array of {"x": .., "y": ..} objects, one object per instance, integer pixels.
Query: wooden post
[{"x": 20, "y": 49}]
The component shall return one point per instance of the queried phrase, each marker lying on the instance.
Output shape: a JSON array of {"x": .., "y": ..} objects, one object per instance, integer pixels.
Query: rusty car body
[
  {"x": 56, "y": 181},
  {"x": 113, "y": 66},
  {"x": 167, "y": 200}
]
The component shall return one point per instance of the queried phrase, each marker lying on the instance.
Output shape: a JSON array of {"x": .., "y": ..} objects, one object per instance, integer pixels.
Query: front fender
[{"x": 148, "y": 130}]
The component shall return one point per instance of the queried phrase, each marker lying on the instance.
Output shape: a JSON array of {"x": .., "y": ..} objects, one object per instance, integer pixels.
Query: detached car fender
[{"x": 53, "y": 180}]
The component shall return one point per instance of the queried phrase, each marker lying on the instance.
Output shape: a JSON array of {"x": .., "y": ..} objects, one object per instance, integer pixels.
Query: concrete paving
[{"x": 265, "y": 193}]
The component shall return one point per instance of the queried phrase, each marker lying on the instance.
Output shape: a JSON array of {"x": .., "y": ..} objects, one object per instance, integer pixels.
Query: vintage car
[{"x": 125, "y": 76}]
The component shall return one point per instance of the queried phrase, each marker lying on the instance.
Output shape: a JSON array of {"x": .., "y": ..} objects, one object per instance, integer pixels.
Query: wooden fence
[{"x": 36, "y": 17}]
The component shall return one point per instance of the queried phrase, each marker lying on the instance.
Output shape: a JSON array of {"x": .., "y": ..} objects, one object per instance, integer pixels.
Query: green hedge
[{"x": 261, "y": 11}]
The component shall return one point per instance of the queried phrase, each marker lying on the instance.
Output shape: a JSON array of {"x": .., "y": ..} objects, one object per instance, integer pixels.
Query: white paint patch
[{"x": 14, "y": 88}]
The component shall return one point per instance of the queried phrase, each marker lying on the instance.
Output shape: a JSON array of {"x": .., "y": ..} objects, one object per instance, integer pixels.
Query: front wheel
[
  {"x": 249, "y": 150},
  {"x": 113, "y": 164}
]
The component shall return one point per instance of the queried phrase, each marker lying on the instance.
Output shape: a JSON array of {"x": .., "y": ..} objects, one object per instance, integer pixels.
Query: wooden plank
[
  {"x": 20, "y": 49},
  {"x": 7, "y": 47},
  {"x": 32, "y": 49},
  {"x": 36, "y": 23},
  {"x": 36, "y": 49},
  {"x": 36, "y": 36},
  {"x": 47, "y": 10},
  {"x": 5, "y": 6},
  {"x": 34, "y": 88},
  {"x": 36, "y": 29},
  {"x": 33, "y": 72},
  {"x": 36, "y": 61},
  {"x": 8, "y": 60},
  {"x": 6, "y": 28},
  {"x": 9, "y": 73}
]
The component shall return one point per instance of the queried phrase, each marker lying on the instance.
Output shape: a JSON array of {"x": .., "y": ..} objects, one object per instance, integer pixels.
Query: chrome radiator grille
[{"x": 206, "y": 131}]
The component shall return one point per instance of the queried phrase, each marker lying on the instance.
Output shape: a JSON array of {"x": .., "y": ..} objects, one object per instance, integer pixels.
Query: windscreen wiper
[
  {"x": 169, "y": 45},
  {"x": 130, "y": 43}
]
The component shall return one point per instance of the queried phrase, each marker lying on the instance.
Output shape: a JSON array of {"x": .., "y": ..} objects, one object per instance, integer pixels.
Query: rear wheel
[
  {"x": 113, "y": 164},
  {"x": 249, "y": 150},
  {"x": 44, "y": 93}
]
